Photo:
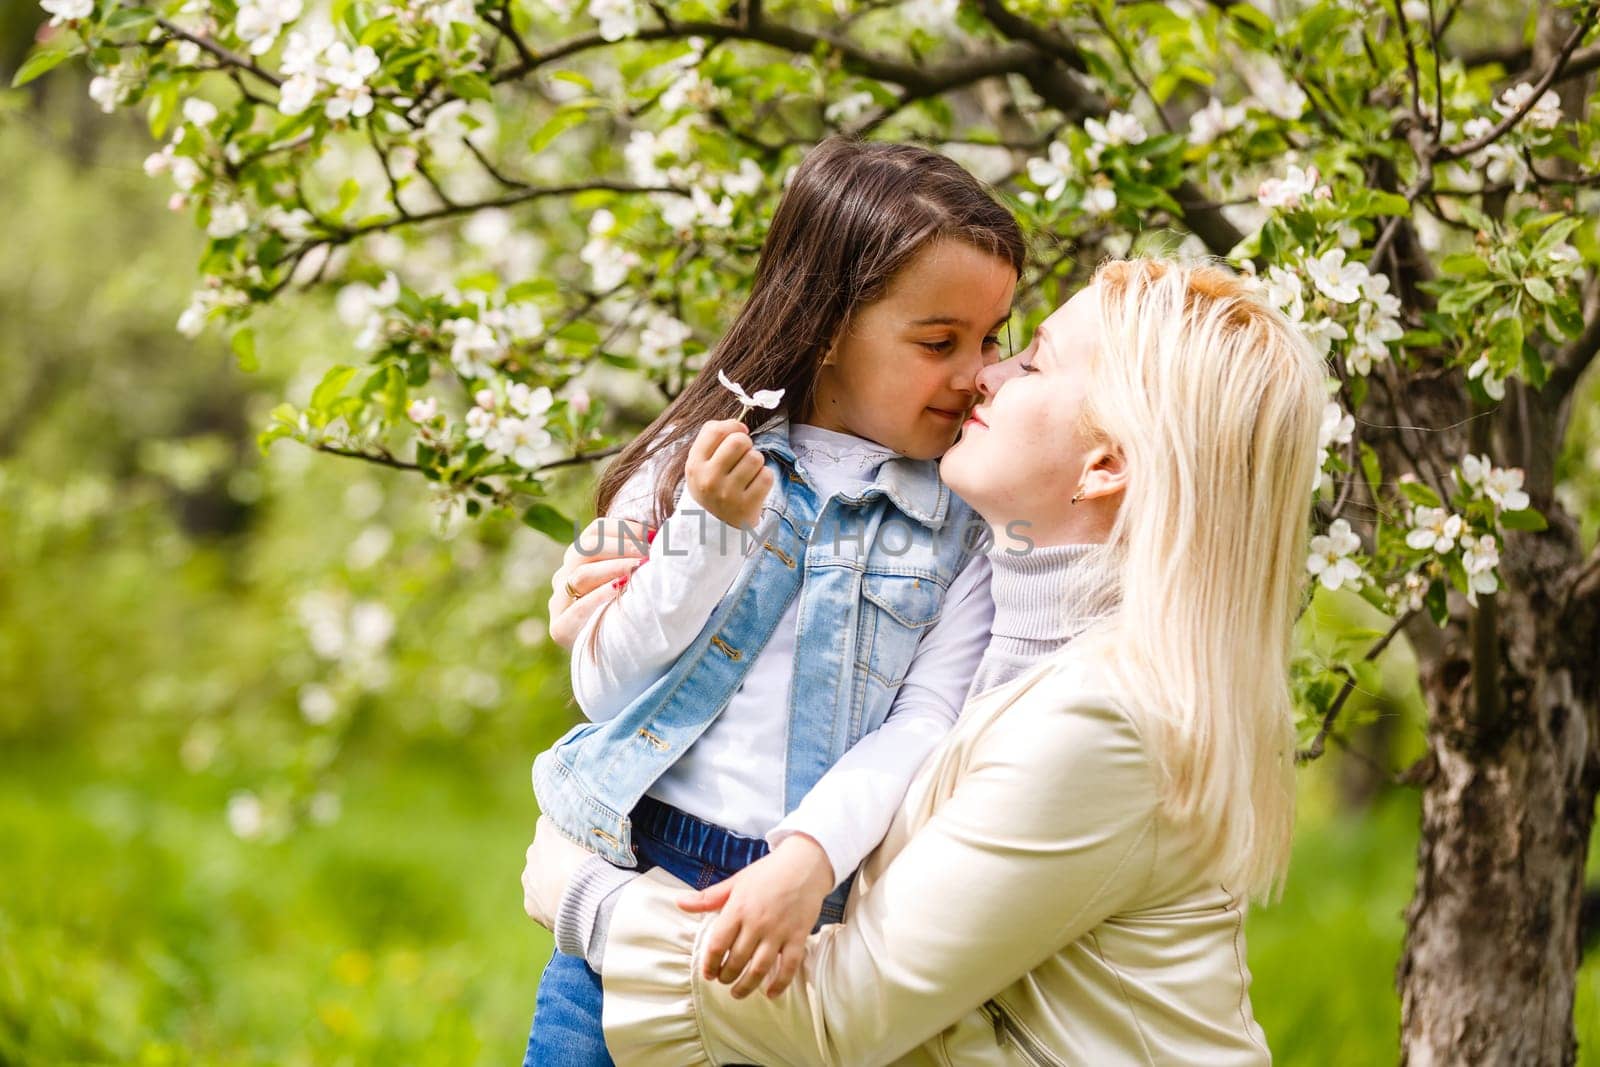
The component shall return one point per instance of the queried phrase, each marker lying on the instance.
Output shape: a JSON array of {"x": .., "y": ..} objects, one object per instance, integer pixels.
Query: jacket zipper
[{"x": 1008, "y": 1030}]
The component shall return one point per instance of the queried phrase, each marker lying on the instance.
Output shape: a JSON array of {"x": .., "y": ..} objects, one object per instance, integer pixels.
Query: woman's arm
[{"x": 1049, "y": 830}]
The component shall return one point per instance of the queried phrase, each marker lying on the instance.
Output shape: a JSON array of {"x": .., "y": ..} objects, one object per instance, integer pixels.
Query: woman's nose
[{"x": 992, "y": 377}]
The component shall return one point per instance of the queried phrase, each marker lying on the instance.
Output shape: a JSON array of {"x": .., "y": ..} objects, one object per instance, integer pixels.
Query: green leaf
[
  {"x": 1464, "y": 297},
  {"x": 1540, "y": 290},
  {"x": 1526, "y": 519},
  {"x": 574, "y": 78},
  {"x": 1464, "y": 265},
  {"x": 1420, "y": 494},
  {"x": 471, "y": 87},
  {"x": 559, "y": 123},
  {"x": 128, "y": 18},
  {"x": 349, "y": 189},
  {"x": 40, "y": 63},
  {"x": 331, "y": 386},
  {"x": 550, "y": 522},
  {"x": 1436, "y": 600},
  {"x": 244, "y": 346}
]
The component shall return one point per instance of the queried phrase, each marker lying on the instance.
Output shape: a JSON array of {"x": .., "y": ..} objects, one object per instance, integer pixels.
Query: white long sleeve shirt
[{"x": 733, "y": 775}]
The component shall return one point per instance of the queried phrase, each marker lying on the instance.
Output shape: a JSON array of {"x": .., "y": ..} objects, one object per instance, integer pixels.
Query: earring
[{"x": 1077, "y": 496}]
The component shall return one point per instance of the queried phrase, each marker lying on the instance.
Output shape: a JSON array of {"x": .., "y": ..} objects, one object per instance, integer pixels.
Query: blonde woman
[{"x": 1066, "y": 880}]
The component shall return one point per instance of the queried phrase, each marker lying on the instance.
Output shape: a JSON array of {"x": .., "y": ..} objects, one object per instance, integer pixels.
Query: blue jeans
[{"x": 566, "y": 1018}]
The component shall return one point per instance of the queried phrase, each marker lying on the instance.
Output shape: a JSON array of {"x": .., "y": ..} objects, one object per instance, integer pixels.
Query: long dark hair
[{"x": 854, "y": 215}]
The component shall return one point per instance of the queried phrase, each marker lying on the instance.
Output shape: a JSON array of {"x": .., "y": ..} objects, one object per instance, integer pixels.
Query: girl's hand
[
  {"x": 596, "y": 567},
  {"x": 726, "y": 473},
  {"x": 768, "y": 910}
]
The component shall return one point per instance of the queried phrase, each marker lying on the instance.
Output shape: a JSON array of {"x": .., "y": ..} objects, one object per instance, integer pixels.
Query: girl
[{"x": 818, "y": 558}]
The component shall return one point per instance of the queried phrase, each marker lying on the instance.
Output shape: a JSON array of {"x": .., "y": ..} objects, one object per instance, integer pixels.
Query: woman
[{"x": 1065, "y": 881}]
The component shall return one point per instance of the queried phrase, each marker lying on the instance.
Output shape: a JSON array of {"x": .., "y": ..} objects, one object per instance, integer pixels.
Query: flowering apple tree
[{"x": 530, "y": 209}]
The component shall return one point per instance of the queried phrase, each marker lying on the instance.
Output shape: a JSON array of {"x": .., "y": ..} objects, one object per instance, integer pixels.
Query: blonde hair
[{"x": 1214, "y": 400}]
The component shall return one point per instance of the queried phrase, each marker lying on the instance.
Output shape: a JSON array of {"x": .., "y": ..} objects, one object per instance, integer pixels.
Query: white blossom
[
  {"x": 931, "y": 16},
  {"x": 296, "y": 93},
  {"x": 1292, "y": 189},
  {"x": 67, "y": 10},
  {"x": 1335, "y": 278},
  {"x": 317, "y": 704},
  {"x": 480, "y": 422},
  {"x": 662, "y": 337},
  {"x": 848, "y": 109},
  {"x": 1052, "y": 172},
  {"x": 745, "y": 183},
  {"x": 423, "y": 409},
  {"x": 293, "y": 224},
  {"x": 1214, "y": 120},
  {"x": 1435, "y": 529},
  {"x": 475, "y": 347},
  {"x": 260, "y": 21},
  {"x": 1493, "y": 385},
  {"x": 1503, "y": 485},
  {"x": 617, "y": 18},
  {"x": 1479, "y": 558},
  {"x": 529, "y": 402},
  {"x": 1284, "y": 290},
  {"x": 228, "y": 220},
  {"x": 105, "y": 92},
  {"x": 246, "y": 816},
  {"x": 1330, "y": 558},
  {"x": 1544, "y": 115},
  {"x": 1100, "y": 200},
  {"x": 303, "y": 51},
  {"x": 761, "y": 398}
]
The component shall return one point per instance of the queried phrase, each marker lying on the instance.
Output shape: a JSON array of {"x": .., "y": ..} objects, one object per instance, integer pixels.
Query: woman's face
[
  {"x": 1023, "y": 452},
  {"x": 904, "y": 372}
]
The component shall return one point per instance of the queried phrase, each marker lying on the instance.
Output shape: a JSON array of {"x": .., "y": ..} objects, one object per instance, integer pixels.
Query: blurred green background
[{"x": 265, "y": 728}]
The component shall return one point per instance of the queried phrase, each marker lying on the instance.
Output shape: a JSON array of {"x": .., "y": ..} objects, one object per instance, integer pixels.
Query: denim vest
[{"x": 871, "y": 572}]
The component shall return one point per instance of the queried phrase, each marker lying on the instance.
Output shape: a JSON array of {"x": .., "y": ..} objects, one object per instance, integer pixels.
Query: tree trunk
[{"x": 1493, "y": 931}]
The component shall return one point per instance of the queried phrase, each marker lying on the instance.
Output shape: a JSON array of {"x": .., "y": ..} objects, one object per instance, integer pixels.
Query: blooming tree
[{"x": 529, "y": 208}]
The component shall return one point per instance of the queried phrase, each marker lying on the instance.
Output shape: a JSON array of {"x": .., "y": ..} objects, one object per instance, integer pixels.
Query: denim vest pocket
[{"x": 896, "y": 610}]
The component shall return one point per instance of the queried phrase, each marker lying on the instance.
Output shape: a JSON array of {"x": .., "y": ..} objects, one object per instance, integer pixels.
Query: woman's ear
[{"x": 1105, "y": 473}]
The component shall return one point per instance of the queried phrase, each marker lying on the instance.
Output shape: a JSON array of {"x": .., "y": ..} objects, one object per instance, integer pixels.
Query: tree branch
[
  {"x": 1501, "y": 128},
  {"x": 1329, "y": 717},
  {"x": 230, "y": 58}
]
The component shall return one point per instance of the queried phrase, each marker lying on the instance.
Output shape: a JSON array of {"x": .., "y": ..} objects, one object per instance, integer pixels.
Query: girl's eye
[
  {"x": 992, "y": 341},
  {"x": 937, "y": 346},
  {"x": 1025, "y": 368}
]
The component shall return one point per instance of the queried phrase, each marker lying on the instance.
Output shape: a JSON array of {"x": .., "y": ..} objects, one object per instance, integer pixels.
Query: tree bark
[{"x": 1493, "y": 931}]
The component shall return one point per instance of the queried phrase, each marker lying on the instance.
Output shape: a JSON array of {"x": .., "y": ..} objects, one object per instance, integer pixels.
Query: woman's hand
[
  {"x": 595, "y": 567},
  {"x": 551, "y": 860},
  {"x": 768, "y": 910}
]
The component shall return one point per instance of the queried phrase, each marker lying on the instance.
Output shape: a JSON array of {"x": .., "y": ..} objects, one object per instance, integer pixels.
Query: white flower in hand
[{"x": 763, "y": 398}]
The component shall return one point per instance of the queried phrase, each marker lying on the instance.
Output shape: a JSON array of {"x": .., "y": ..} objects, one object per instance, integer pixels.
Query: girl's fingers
[
  {"x": 723, "y": 932},
  {"x": 729, "y": 454},
  {"x": 707, "y": 899},
  {"x": 760, "y": 481},
  {"x": 710, "y": 438},
  {"x": 744, "y": 946},
  {"x": 788, "y": 966},
  {"x": 755, "y": 972}
]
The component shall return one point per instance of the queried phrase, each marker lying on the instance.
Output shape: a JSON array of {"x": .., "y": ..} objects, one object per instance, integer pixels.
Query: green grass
[{"x": 135, "y": 928}]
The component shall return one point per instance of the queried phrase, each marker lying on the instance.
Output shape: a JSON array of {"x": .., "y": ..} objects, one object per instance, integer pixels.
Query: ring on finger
[{"x": 572, "y": 593}]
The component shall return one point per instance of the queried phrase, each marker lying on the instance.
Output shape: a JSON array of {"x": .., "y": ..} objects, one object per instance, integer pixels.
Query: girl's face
[
  {"x": 1024, "y": 453},
  {"x": 904, "y": 372}
]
